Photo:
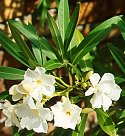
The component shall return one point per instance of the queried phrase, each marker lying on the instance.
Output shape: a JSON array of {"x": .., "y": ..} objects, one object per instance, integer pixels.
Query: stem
[
  {"x": 60, "y": 85},
  {"x": 59, "y": 79},
  {"x": 76, "y": 69}
]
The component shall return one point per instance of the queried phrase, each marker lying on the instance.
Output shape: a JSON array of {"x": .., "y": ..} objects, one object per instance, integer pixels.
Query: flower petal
[
  {"x": 17, "y": 97},
  {"x": 94, "y": 79},
  {"x": 36, "y": 94},
  {"x": 48, "y": 90},
  {"x": 46, "y": 113},
  {"x": 42, "y": 127},
  {"x": 21, "y": 90},
  {"x": 67, "y": 105},
  {"x": 96, "y": 100},
  {"x": 90, "y": 91},
  {"x": 8, "y": 122},
  {"x": 23, "y": 111},
  {"x": 57, "y": 108},
  {"x": 13, "y": 90},
  {"x": 107, "y": 77},
  {"x": 14, "y": 120},
  {"x": 27, "y": 122},
  {"x": 115, "y": 94},
  {"x": 1, "y": 106},
  {"x": 25, "y": 87},
  {"x": 40, "y": 70},
  {"x": 48, "y": 79},
  {"x": 29, "y": 74},
  {"x": 107, "y": 102},
  {"x": 30, "y": 102},
  {"x": 106, "y": 86}
]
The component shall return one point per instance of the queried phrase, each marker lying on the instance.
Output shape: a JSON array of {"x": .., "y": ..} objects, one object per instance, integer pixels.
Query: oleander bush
[{"x": 42, "y": 95}]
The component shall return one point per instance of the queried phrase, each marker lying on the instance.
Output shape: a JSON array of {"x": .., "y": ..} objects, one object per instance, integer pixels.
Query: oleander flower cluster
[{"x": 28, "y": 110}]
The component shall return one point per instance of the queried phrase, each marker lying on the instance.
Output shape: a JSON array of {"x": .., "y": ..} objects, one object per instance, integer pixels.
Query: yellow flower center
[
  {"x": 35, "y": 112},
  {"x": 68, "y": 113},
  {"x": 39, "y": 82}
]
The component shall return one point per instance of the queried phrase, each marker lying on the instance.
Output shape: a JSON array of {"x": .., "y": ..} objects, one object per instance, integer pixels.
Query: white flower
[
  {"x": 105, "y": 90},
  {"x": 36, "y": 83},
  {"x": 18, "y": 92},
  {"x": 35, "y": 119},
  {"x": 16, "y": 95},
  {"x": 66, "y": 115},
  {"x": 9, "y": 112}
]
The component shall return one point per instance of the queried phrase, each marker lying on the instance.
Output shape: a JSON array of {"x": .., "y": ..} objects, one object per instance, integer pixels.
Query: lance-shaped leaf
[
  {"x": 52, "y": 64},
  {"x": 71, "y": 28},
  {"x": 81, "y": 127},
  {"x": 12, "y": 49},
  {"x": 118, "y": 55},
  {"x": 119, "y": 79},
  {"x": 94, "y": 37},
  {"x": 21, "y": 43},
  {"x": 33, "y": 64},
  {"x": 55, "y": 34},
  {"x": 105, "y": 122},
  {"x": 63, "y": 17},
  {"x": 44, "y": 11},
  {"x": 37, "y": 11},
  {"x": 62, "y": 132},
  {"x": 37, "y": 54},
  {"x": 48, "y": 49},
  {"x": 11, "y": 73},
  {"x": 85, "y": 62},
  {"x": 5, "y": 95},
  {"x": 31, "y": 34},
  {"x": 121, "y": 26}
]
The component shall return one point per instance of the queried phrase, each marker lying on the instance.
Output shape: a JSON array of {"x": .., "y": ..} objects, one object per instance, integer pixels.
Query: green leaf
[
  {"x": 63, "y": 17},
  {"x": 4, "y": 95},
  {"x": 37, "y": 11},
  {"x": 76, "y": 39},
  {"x": 55, "y": 34},
  {"x": 119, "y": 79},
  {"x": 11, "y": 73},
  {"x": 21, "y": 43},
  {"x": 48, "y": 49},
  {"x": 71, "y": 28},
  {"x": 30, "y": 33},
  {"x": 57, "y": 3},
  {"x": 12, "y": 48},
  {"x": 118, "y": 55},
  {"x": 121, "y": 25},
  {"x": 61, "y": 132},
  {"x": 37, "y": 54},
  {"x": 105, "y": 122},
  {"x": 43, "y": 13},
  {"x": 52, "y": 64},
  {"x": 16, "y": 134},
  {"x": 85, "y": 62},
  {"x": 123, "y": 93},
  {"x": 81, "y": 126},
  {"x": 121, "y": 114},
  {"x": 93, "y": 38},
  {"x": 76, "y": 70},
  {"x": 28, "y": 30},
  {"x": 33, "y": 64},
  {"x": 44, "y": 59},
  {"x": 103, "y": 67},
  {"x": 30, "y": 133}
]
